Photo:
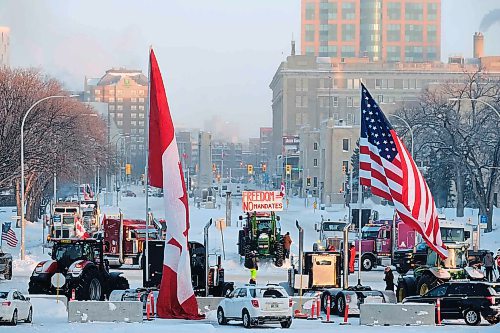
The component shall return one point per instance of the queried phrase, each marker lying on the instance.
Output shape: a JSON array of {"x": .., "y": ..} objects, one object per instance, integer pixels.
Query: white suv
[{"x": 255, "y": 305}]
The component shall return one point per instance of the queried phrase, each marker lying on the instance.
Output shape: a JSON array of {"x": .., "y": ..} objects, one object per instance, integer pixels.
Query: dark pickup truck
[
  {"x": 406, "y": 259},
  {"x": 6, "y": 265}
]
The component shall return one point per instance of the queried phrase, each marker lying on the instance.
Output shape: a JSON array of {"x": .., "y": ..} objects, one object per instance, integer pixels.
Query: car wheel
[
  {"x": 472, "y": 317},
  {"x": 366, "y": 263},
  {"x": 13, "y": 321},
  {"x": 340, "y": 301},
  {"x": 287, "y": 323},
  {"x": 220, "y": 317},
  {"x": 29, "y": 319},
  {"x": 247, "y": 321}
]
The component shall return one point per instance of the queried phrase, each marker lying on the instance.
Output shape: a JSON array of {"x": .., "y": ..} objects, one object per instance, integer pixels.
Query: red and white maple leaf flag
[{"x": 176, "y": 299}]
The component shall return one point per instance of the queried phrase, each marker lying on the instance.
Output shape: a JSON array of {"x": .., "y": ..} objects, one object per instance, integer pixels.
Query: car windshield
[
  {"x": 267, "y": 293},
  {"x": 422, "y": 247},
  {"x": 3, "y": 294},
  {"x": 68, "y": 251},
  {"x": 452, "y": 234},
  {"x": 68, "y": 219},
  {"x": 264, "y": 224},
  {"x": 369, "y": 232},
  {"x": 496, "y": 289},
  {"x": 333, "y": 226}
]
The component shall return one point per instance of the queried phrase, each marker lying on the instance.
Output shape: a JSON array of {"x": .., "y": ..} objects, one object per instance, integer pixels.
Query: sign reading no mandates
[{"x": 261, "y": 201}]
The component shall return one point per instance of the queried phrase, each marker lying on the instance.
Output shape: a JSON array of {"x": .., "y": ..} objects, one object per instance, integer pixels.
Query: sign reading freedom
[{"x": 262, "y": 201}]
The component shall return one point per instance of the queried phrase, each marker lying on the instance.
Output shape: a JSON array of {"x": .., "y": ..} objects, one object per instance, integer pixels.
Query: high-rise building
[
  {"x": 381, "y": 30},
  {"x": 4, "y": 46},
  {"x": 125, "y": 91}
]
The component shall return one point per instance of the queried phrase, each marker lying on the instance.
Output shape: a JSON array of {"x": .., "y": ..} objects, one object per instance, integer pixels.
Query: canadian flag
[
  {"x": 80, "y": 231},
  {"x": 176, "y": 299},
  {"x": 282, "y": 189}
]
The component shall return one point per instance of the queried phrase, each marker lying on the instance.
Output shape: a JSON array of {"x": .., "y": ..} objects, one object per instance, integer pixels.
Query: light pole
[
  {"x": 118, "y": 178},
  {"x": 409, "y": 128},
  {"x": 22, "y": 166},
  {"x": 475, "y": 100}
]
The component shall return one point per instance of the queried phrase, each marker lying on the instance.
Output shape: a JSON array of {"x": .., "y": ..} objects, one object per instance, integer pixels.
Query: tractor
[
  {"x": 261, "y": 234},
  {"x": 83, "y": 268},
  {"x": 437, "y": 271}
]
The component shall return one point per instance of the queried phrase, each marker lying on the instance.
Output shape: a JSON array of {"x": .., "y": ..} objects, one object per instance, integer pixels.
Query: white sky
[{"x": 217, "y": 57}]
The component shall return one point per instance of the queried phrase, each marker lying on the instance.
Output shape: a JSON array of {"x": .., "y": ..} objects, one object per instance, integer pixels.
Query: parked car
[
  {"x": 14, "y": 306},
  {"x": 464, "y": 300},
  {"x": 128, "y": 193},
  {"x": 256, "y": 305}
]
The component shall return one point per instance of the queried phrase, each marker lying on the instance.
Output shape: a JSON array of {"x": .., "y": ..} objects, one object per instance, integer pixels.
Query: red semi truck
[
  {"x": 124, "y": 239},
  {"x": 377, "y": 241}
]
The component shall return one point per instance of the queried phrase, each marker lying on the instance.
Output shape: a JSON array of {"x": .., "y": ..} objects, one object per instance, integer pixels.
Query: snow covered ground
[{"x": 52, "y": 316}]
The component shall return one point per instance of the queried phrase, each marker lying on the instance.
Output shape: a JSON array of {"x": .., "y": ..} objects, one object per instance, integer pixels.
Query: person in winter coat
[
  {"x": 287, "y": 243},
  {"x": 352, "y": 258},
  {"x": 389, "y": 279},
  {"x": 254, "y": 267},
  {"x": 488, "y": 262},
  {"x": 497, "y": 259}
]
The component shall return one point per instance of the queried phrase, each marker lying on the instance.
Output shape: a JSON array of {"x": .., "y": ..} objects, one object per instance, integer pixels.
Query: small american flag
[
  {"x": 389, "y": 170},
  {"x": 8, "y": 234}
]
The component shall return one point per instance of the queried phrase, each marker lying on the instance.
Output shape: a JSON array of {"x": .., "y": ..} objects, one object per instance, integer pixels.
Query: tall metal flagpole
[
  {"x": 360, "y": 191},
  {"x": 146, "y": 178}
]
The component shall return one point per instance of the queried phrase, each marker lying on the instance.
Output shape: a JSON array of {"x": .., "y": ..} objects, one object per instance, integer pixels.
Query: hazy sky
[{"x": 217, "y": 56}]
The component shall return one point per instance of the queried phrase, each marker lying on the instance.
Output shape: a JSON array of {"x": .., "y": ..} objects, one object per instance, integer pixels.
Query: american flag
[
  {"x": 389, "y": 170},
  {"x": 8, "y": 234}
]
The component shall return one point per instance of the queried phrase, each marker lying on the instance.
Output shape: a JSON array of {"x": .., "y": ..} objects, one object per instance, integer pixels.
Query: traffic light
[
  {"x": 264, "y": 167},
  {"x": 214, "y": 167},
  {"x": 288, "y": 169},
  {"x": 250, "y": 169},
  {"x": 308, "y": 181},
  {"x": 128, "y": 169},
  {"x": 344, "y": 169}
]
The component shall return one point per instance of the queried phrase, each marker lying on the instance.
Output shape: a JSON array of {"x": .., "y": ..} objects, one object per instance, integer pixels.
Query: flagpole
[
  {"x": 146, "y": 178},
  {"x": 360, "y": 192}
]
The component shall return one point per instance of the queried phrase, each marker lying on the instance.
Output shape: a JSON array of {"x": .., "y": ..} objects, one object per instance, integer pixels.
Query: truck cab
[
  {"x": 63, "y": 221},
  {"x": 330, "y": 235}
]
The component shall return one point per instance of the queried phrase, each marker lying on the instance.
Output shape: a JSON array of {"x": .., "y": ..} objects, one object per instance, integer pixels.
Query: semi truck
[
  {"x": 124, "y": 239},
  {"x": 63, "y": 220}
]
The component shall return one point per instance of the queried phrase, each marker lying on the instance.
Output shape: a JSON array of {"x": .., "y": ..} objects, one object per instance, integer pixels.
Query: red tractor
[{"x": 83, "y": 268}]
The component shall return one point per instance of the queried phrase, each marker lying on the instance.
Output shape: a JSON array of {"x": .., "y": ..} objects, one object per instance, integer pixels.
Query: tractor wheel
[
  {"x": 279, "y": 255},
  {"x": 426, "y": 283},
  {"x": 120, "y": 283},
  {"x": 35, "y": 288},
  {"x": 241, "y": 242},
  {"x": 89, "y": 287}
]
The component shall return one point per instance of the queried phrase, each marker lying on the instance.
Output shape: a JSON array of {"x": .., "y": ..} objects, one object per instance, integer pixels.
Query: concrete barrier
[
  {"x": 397, "y": 314},
  {"x": 88, "y": 311}
]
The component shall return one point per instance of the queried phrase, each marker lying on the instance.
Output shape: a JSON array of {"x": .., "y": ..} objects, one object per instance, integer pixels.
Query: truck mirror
[
  {"x": 316, "y": 227},
  {"x": 466, "y": 234}
]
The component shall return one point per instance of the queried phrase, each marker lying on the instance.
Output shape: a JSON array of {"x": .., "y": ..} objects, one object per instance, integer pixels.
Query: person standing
[
  {"x": 497, "y": 260},
  {"x": 389, "y": 279},
  {"x": 287, "y": 243},
  {"x": 254, "y": 267},
  {"x": 488, "y": 262},
  {"x": 352, "y": 257}
]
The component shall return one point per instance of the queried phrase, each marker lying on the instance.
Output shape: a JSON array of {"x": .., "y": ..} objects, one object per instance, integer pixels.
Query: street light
[
  {"x": 119, "y": 176},
  {"x": 22, "y": 166},
  {"x": 475, "y": 100}
]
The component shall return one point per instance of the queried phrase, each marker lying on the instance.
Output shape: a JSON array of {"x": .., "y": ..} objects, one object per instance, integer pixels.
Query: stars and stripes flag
[
  {"x": 391, "y": 173},
  {"x": 8, "y": 234},
  {"x": 176, "y": 299}
]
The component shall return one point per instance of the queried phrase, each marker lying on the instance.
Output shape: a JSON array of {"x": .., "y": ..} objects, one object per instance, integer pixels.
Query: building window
[
  {"x": 111, "y": 107},
  {"x": 97, "y": 92},
  {"x": 301, "y": 84},
  {"x": 141, "y": 100},
  {"x": 335, "y": 101},
  {"x": 111, "y": 99},
  {"x": 348, "y": 10},
  {"x": 431, "y": 33},
  {"x": 310, "y": 33},
  {"x": 414, "y": 53},
  {"x": 119, "y": 115},
  {"x": 310, "y": 11},
  {"x": 414, "y": 11},
  {"x": 301, "y": 101},
  {"x": 141, "y": 130},
  {"x": 141, "y": 147},
  {"x": 133, "y": 123},
  {"x": 348, "y": 32},
  {"x": 393, "y": 53},
  {"x": 133, "y": 115},
  {"x": 352, "y": 83},
  {"x": 97, "y": 99},
  {"x": 394, "y": 10},
  {"x": 133, "y": 99},
  {"x": 350, "y": 102},
  {"x": 119, "y": 92},
  {"x": 133, "y": 147},
  {"x": 380, "y": 99},
  {"x": 315, "y": 162},
  {"x": 432, "y": 11},
  {"x": 141, "y": 107},
  {"x": 309, "y": 50},
  {"x": 315, "y": 146},
  {"x": 133, "y": 131},
  {"x": 140, "y": 139},
  {"x": 323, "y": 32},
  {"x": 351, "y": 119},
  {"x": 345, "y": 145},
  {"x": 332, "y": 32},
  {"x": 348, "y": 51},
  {"x": 141, "y": 115},
  {"x": 432, "y": 53},
  {"x": 414, "y": 33},
  {"x": 119, "y": 122},
  {"x": 141, "y": 92},
  {"x": 393, "y": 32},
  {"x": 327, "y": 11},
  {"x": 345, "y": 166},
  {"x": 119, "y": 107},
  {"x": 133, "y": 107}
]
